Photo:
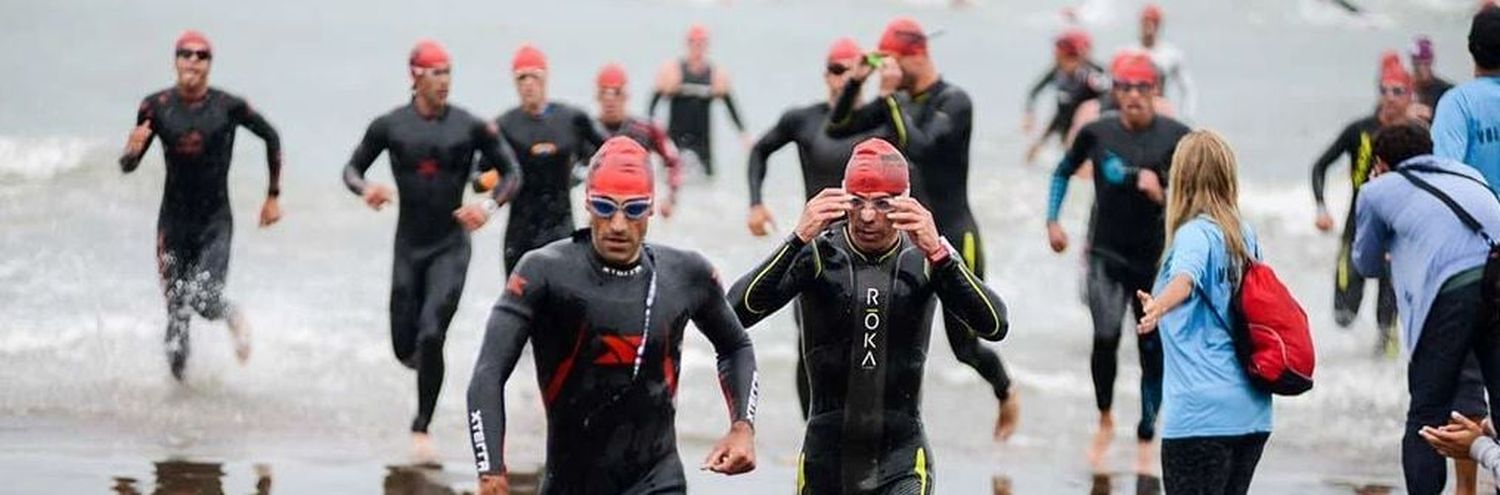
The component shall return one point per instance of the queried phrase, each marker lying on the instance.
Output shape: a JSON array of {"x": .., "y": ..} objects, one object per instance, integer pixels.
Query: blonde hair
[{"x": 1203, "y": 182}]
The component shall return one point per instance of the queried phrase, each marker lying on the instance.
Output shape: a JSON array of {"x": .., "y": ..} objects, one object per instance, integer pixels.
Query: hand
[
  {"x": 829, "y": 205},
  {"x": 1057, "y": 237},
  {"x": 668, "y": 206},
  {"x": 909, "y": 216},
  {"x": 1150, "y": 184},
  {"x": 493, "y": 484},
  {"x": 1454, "y": 439},
  {"x": 861, "y": 71},
  {"x": 1028, "y": 124},
  {"x": 270, "y": 212},
  {"x": 377, "y": 195},
  {"x": 759, "y": 217},
  {"x": 139, "y": 136},
  {"x": 1151, "y": 313},
  {"x": 1324, "y": 221},
  {"x": 890, "y": 76},
  {"x": 735, "y": 453},
  {"x": 472, "y": 216}
]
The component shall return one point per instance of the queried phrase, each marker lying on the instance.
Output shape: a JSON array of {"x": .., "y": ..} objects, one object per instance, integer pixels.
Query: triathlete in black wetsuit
[
  {"x": 431, "y": 145},
  {"x": 549, "y": 139},
  {"x": 692, "y": 84},
  {"x": 867, "y": 294},
  {"x": 1132, "y": 153},
  {"x": 1075, "y": 79},
  {"x": 197, "y": 124},
  {"x": 605, "y": 315},
  {"x": 1355, "y": 142},
  {"x": 616, "y": 121},
  {"x": 931, "y": 121}
]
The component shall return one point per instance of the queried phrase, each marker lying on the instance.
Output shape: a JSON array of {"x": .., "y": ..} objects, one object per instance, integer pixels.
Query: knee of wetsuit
[
  {"x": 1145, "y": 431},
  {"x": 1106, "y": 343},
  {"x": 430, "y": 347}
]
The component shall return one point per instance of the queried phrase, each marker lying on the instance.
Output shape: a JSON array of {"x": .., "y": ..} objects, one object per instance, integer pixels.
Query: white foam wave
[{"x": 31, "y": 158}]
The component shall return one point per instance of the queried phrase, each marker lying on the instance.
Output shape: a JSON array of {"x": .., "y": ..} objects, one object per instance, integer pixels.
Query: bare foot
[
  {"x": 421, "y": 449},
  {"x": 1145, "y": 457},
  {"x": 1099, "y": 451},
  {"x": 239, "y": 331},
  {"x": 1010, "y": 416}
]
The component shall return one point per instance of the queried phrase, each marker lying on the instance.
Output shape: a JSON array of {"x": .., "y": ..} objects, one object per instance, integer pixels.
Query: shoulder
[
  {"x": 1174, "y": 126},
  {"x": 1198, "y": 231},
  {"x": 224, "y": 95},
  {"x": 550, "y": 258},
  {"x": 691, "y": 264},
  {"x": 953, "y": 95}
]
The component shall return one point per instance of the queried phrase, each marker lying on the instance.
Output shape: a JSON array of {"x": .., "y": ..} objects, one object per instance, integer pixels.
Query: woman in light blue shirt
[{"x": 1214, "y": 423}]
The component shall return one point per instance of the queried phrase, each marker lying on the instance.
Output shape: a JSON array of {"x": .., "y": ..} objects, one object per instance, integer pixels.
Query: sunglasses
[
  {"x": 435, "y": 72},
  {"x": 606, "y": 208},
  {"x": 1126, "y": 87},
  {"x": 882, "y": 205},
  {"x": 528, "y": 74},
  {"x": 837, "y": 69},
  {"x": 1393, "y": 91},
  {"x": 190, "y": 54}
]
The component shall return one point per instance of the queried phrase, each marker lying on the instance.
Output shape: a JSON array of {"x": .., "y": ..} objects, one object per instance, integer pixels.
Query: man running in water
[
  {"x": 692, "y": 84},
  {"x": 1430, "y": 88},
  {"x": 605, "y": 313},
  {"x": 931, "y": 121},
  {"x": 431, "y": 146},
  {"x": 1354, "y": 141},
  {"x": 1170, "y": 63},
  {"x": 1132, "y": 152},
  {"x": 612, "y": 96},
  {"x": 1076, "y": 80},
  {"x": 866, "y": 287},
  {"x": 196, "y": 124},
  {"x": 548, "y": 139}
]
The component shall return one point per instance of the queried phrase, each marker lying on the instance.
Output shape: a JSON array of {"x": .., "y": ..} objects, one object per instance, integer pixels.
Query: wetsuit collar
[
  {"x": 546, "y": 107},
  {"x": 188, "y": 98},
  {"x": 417, "y": 109},
  {"x": 880, "y": 258},
  {"x": 586, "y": 236},
  {"x": 931, "y": 89}
]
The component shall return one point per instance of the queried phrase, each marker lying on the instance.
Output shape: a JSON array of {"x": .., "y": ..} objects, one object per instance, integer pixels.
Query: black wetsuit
[
  {"x": 548, "y": 147},
  {"x": 1356, "y": 141},
  {"x": 194, "y": 224},
  {"x": 866, "y": 321},
  {"x": 653, "y": 138},
  {"x": 610, "y": 408},
  {"x": 431, "y": 160},
  {"x": 1429, "y": 94},
  {"x": 688, "y": 122},
  {"x": 1126, "y": 237},
  {"x": 933, "y": 130},
  {"x": 1073, "y": 89}
]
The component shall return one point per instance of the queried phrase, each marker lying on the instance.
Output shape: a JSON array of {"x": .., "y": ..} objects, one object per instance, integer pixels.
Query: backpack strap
[{"x": 1463, "y": 215}]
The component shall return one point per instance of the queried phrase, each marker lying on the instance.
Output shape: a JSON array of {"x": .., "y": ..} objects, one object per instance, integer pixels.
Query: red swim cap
[
  {"x": 876, "y": 167},
  {"x": 1151, "y": 13},
  {"x": 844, "y": 48},
  {"x": 428, "y": 54},
  {"x": 1392, "y": 73},
  {"x": 1133, "y": 67},
  {"x": 697, "y": 33},
  {"x": 528, "y": 58},
  {"x": 1075, "y": 42},
  {"x": 621, "y": 167},
  {"x": 903, "y": 37},
  {"x": 193, "y": 36},
  {"x": 612, "y": 76}
]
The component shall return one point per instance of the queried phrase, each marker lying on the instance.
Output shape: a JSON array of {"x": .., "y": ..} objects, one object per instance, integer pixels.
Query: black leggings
[
  {"x": 426, "y": 284},
  {"x": 193, "y": 262},
  {"x": 1211, "y": 465},
  {"x": 1111, "y": 289}
]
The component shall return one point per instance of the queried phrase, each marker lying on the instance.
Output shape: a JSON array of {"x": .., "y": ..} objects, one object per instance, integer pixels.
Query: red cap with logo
[
  {"x": 1133, "y": 67},
  {"x": 903, "y": 37},
  {"x": 528, "y": 58},
  {"x": 621, "y": 168},
  {"x": 193, "y": 36},
  {"x": 1392, "y": 73},
  {"x": 843, "y": 49},
  {"x": 876, "y": 167},
  {"x": 612, "y": 76},
  {"x": 427, "y": 54}
]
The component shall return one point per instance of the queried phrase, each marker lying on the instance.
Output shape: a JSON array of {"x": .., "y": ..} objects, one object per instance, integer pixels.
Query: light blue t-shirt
[
  {"x": 1205, "y": 391},
  {"x": 1466, "y": 127}
]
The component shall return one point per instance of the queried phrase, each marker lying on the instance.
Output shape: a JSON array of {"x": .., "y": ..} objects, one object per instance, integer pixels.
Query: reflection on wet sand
[
  {"x": 430, "y": 479},
  {"x": 177, "y": 477}
]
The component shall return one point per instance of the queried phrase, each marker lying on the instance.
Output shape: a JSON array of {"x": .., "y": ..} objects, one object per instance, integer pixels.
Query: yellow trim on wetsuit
[
  {"x": 1343, "y": 268},
  {"x": 994, "y": 315},
  {"x": 801, "y": 476},
  {"x": 894, "y": 248},
  {"x": 921, "y": 465},
  {"x": 756, "y": 281},
  {"x": 969, "y": 249},
  {"x": 896, "y": 121},
  {"x": 817, "y": 260},
  {"x": 1362, "y": 161}
]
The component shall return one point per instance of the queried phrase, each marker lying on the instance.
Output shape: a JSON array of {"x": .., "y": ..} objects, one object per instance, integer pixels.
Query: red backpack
[{"x": 1271, "y": 334}]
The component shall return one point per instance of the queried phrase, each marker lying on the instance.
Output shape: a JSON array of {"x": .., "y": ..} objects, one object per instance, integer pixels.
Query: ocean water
[{"x": 84, "y": 383}]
